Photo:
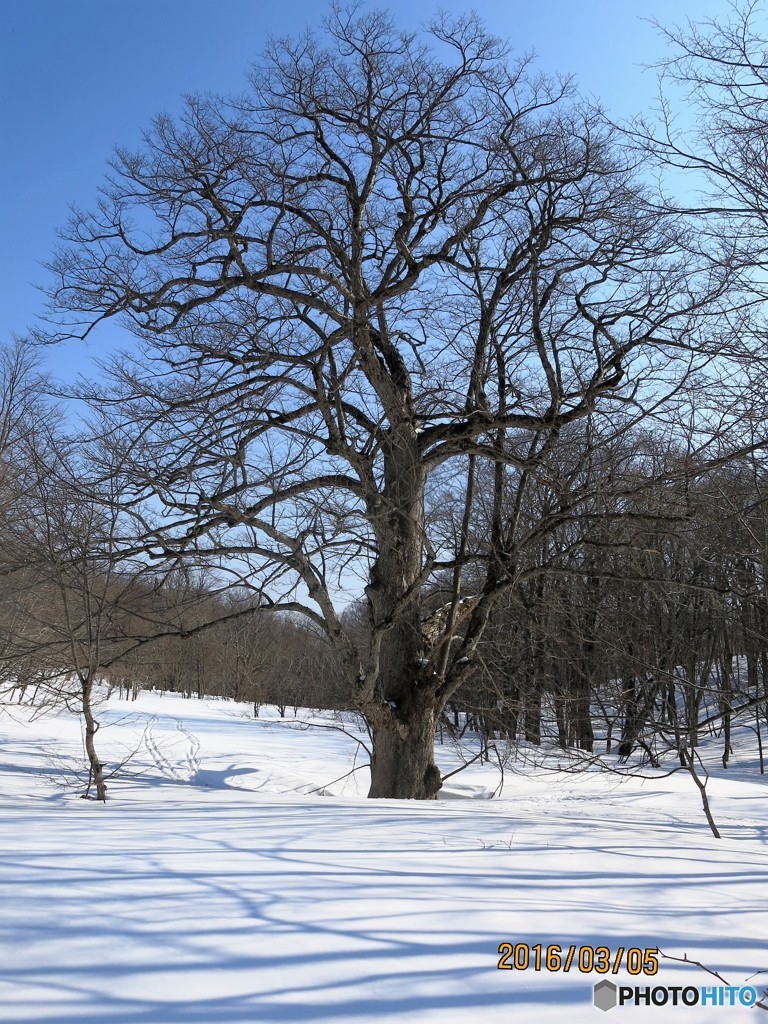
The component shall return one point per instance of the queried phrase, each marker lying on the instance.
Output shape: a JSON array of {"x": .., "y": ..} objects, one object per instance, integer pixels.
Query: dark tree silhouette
[{"x": 394, "y": 263}]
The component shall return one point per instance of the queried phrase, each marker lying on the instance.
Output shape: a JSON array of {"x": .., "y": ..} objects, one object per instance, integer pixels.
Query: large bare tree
[{"x": 395, "y": 267}]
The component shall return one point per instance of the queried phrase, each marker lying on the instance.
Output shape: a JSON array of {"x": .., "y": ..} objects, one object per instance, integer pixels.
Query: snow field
[{"x": 218, "y": 886}]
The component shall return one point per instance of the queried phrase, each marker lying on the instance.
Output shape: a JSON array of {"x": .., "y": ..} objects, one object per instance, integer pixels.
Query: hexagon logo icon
[{"x": 605, "y": 995}]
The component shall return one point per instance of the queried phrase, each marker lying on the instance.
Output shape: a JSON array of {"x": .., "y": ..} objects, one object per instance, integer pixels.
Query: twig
[
  {"x": 321, "y": 789},
  {"x": 685, "y": 959},
  {"x": 461, "y": 769}
]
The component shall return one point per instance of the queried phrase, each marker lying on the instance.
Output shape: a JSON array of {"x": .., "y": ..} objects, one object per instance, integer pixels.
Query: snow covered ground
[{"x": 228, "y": 880}]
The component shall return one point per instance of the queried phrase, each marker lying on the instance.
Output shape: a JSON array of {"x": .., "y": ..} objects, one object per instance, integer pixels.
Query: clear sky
[{"x": 78, "y": 77}]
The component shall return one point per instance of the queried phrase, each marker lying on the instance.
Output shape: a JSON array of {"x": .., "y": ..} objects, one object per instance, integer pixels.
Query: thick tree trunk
[
  {"x": 632, "y": 717},
  {"x": 402, "y": 708},
  {"x": 403, "y": 765},
  {"x": 533, "y": 716},
  {"x": 403, "y": 718}
]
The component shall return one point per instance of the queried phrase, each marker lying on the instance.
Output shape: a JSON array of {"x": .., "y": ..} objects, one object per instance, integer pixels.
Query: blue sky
[{"x": 78, "y": 77}]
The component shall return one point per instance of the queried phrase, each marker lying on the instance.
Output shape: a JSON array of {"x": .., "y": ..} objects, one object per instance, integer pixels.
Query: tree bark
[
  {"x": 404, "y": 706},
  {"x": 403, "y": 764},
  {"x": 96, "y": 768}
]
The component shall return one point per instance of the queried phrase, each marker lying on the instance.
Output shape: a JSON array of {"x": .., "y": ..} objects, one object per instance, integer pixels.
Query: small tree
[{"x": 68, "y": 589}]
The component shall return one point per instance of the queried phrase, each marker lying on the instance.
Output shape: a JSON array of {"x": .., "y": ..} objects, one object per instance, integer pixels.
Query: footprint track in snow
[
  {"x": 191, "y": 758},
  {"x": 156, "y": 752}
]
